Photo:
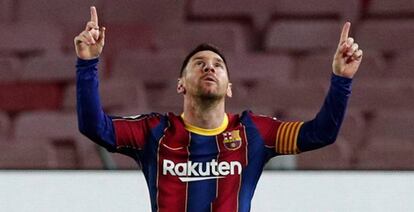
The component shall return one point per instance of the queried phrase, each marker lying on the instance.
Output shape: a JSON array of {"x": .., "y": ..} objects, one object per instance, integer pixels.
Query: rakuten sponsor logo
[{"x": 196, "y": 171}]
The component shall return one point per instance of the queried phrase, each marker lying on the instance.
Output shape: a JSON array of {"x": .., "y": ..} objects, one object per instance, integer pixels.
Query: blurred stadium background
[{"x": 279, "y": 54}]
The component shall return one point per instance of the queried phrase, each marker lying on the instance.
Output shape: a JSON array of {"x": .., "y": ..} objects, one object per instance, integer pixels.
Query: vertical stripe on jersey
[
  {"x": 228, "y": 194},
  {"x": 172, "y": 193},
  {"x": 201, "y": 193},
  {"x": 256, "y": 157},
  {"x": 149, "y": 162}
]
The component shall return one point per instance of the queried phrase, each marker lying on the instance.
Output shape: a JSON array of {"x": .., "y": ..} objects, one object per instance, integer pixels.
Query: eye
[
  {"x": 218, "y": 65},
  {"x": 199, "y": 63}
]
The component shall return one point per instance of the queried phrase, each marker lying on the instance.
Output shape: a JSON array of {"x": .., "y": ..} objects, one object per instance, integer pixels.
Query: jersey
[{"x": 193, "y": 169}]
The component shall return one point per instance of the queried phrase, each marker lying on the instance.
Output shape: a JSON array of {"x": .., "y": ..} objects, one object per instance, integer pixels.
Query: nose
[{"x": 209, "y": 67}]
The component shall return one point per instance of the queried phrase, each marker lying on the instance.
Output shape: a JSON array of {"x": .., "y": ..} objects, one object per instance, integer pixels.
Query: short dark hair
[{"x": 199, "y": 48}]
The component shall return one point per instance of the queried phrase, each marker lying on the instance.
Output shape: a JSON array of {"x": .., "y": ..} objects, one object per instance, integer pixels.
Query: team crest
[{"x": 232, "y": 140}]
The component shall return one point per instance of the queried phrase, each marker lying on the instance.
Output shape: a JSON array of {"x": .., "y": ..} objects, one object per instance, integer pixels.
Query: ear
[
  {"x": 229, "y": 92},
  {"x": 180, "y": 86}
]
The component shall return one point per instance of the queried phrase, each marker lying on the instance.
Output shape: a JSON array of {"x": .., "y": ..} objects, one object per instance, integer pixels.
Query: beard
[{"x": 210, "y": 94}]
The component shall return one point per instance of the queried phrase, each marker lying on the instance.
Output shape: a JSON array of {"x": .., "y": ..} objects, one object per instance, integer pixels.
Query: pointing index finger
[
  {"x": 94, "y": 15},
  {"x": 345, "y": 32}
]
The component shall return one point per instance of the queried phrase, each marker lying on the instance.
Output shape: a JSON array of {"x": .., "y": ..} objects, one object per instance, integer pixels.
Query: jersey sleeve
[
  {"x": 280, "y": 135},
  {"x": 133, "y": 132},
  {"x": 295, "y": 137},
  {"x": 116, "y": 134}
]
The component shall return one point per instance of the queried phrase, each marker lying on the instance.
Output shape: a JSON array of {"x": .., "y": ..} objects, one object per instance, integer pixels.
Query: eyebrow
[{"x": 201, "y": 57}]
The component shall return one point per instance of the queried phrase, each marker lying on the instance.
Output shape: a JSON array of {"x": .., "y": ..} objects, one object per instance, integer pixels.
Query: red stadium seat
[
  {"x": 151, "y": 13},
  {"x": 391, "y": 36},
  {"x": 148, "y": 67},
  {"x": 10, "y": 69},
  {"x": 260, "y": 67},
  {"x": 6, "y": 11},
  {"x": 387, "y": 153},
  {"x": 15, "y": 97},
  {"x": 62, "y": 134},
  {"x": 392, "y": 124},
  {"x": 303, "y": 36},
  {"x": 4, "y": 125},
  {"x": 25, "y": 154},
  {"x": 259, "y": 12},
  {"x": 115, "y": 94},
  {"x": 55, "y": 68},
  {"x": 384, "y": 8},
  {"x": 279, "y": 96},
  {"x": 336, "y": 9},
  {"x": 164, "y": 98},
  {"x": 227, "y": 36},
  {"x": 136, "y": 24},
  {"x": 15, "y": 38},
  {"x": 373, "y": 96},
  {"x": 59, "y": 12},
  {"x": 401, "y": 67},
  {"x": 319, "y": 67}
]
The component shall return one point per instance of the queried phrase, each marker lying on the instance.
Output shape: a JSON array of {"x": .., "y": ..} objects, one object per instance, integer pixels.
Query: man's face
[{"x": 206, "y": 76}]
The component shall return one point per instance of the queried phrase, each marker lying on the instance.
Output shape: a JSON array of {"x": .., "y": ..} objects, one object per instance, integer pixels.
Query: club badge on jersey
[{"x": 232, "y": 140}]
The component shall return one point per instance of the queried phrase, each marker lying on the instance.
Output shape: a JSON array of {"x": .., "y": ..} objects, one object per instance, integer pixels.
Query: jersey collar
[{"x": 206, "y": 132}]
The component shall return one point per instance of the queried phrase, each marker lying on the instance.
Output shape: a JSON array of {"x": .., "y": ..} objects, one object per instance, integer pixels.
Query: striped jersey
[{"x": 188, "y": 168}]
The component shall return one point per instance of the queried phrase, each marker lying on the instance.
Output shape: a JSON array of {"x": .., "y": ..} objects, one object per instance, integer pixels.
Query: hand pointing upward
[
  {"x": 90, "y": 42},
  {"x": 348, "y": 56}
]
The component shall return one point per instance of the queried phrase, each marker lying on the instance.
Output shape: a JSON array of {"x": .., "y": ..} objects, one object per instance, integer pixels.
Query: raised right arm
[{"x": 92, "y": 121}]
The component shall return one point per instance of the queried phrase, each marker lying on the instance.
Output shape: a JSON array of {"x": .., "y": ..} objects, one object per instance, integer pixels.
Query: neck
[{"x": 207, "y": 114}]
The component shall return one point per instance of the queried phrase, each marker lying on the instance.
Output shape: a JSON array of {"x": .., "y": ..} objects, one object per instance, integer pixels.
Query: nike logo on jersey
[{"x": 197, "y": 171}]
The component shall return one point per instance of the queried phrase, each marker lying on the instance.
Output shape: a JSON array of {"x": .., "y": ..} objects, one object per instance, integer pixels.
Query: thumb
[{"x": 101, "y": 38}]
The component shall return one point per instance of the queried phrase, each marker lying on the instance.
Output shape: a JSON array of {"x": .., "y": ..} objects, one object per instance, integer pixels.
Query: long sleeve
[
  {"x": 92, "y": 121},
  {"x": 324, "y": 128}
]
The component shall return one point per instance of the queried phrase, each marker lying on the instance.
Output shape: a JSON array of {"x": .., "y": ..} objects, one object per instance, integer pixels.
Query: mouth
[{"x": 209, "y": 78}]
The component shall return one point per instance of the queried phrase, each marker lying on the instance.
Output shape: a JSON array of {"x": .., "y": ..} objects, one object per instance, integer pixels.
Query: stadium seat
[
  {"x": 25, "y": 154},
  {"x": 259, "y": 67},
  {"x": 337, "y": 9},
  {"x": 335, "y": 156},
  {"x": 303, "y": 36},
  {"x": 279, "y": 96},
  {"x": 148, "y": 67},
  {"x": 258, "y": 12},
  {"x": 387, "y": 153},
  {"x": 401, "y": 67},
  {"x": 6, "y": 11},
  {"x": 15, "y": 38},
  {"x": 5, "y": 125},
  {"x": 163, "y": 98},
  {"x": 373, "y": 96},
  {"x": 10, "y": 69},
  {"x": 391, "y": 36},
  {"x": 19, "y": 96},
  {"x": 115, "y": 94},
  {"x": 229, "y": 37},
  {"x": 59, "y": 14},
  {"x": 393, "y": 124},
  {"x": 390, "y": 9},
  {"x": 61, "y": 134},
  {"x": 151, "y": 13},
  {"x": 318, "y": 67},
  {"x": 53, "y": 68}
]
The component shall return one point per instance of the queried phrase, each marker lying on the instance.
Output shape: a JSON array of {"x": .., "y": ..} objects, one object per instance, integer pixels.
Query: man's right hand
[{"x": 90, "y": 42}]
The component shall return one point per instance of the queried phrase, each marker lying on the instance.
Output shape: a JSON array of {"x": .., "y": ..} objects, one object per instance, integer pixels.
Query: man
[{"x": 205, "y": 159}]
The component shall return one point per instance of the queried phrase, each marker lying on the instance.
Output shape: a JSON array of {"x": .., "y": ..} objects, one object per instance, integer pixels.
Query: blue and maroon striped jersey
[{"x": 193, "y": 169}]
